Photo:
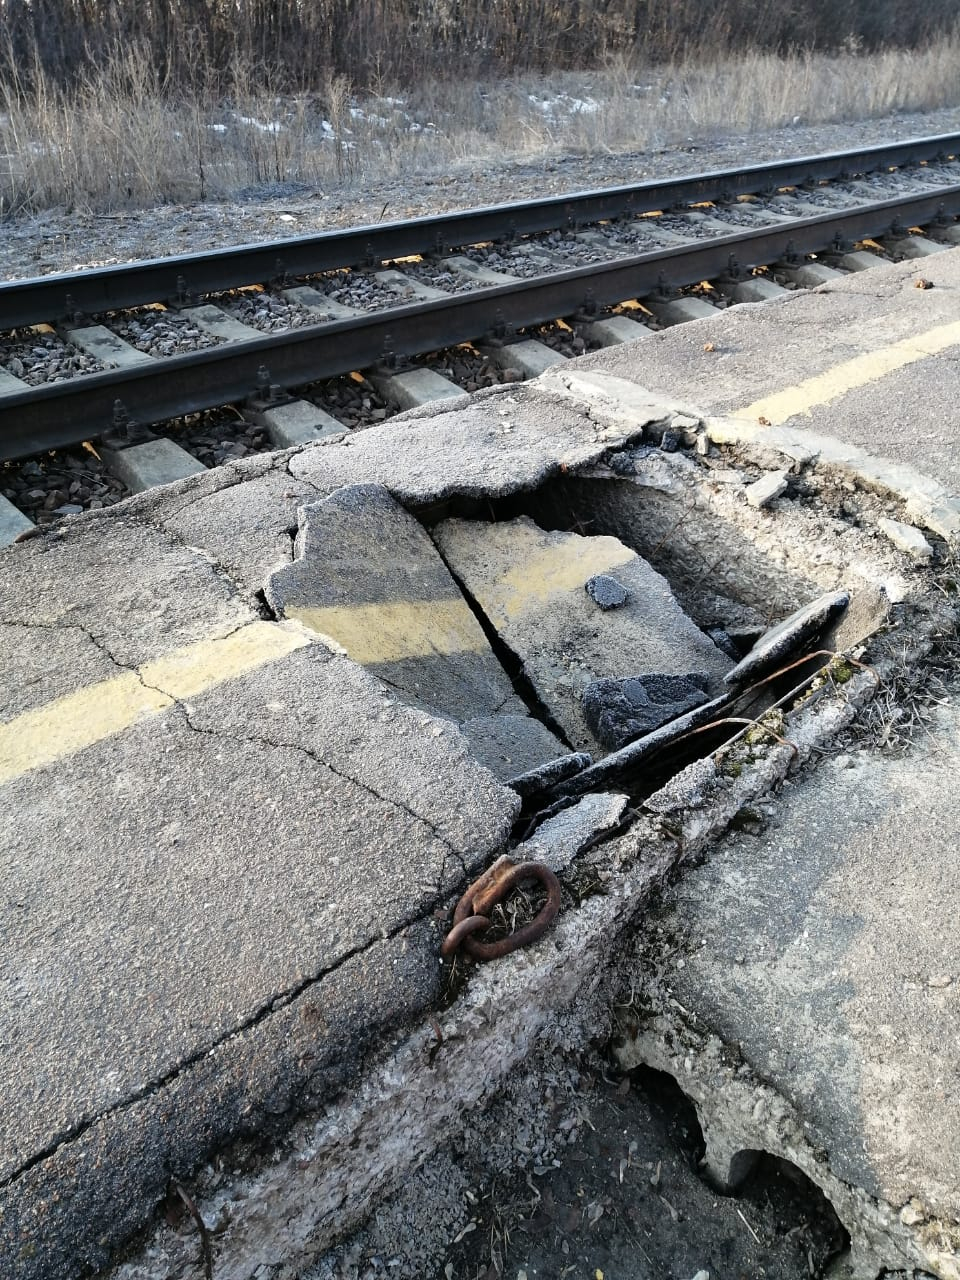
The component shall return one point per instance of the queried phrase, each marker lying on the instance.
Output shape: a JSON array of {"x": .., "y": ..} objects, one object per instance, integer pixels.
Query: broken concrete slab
[
  {"x": 247, "y": 529},
  {"x": 369, "y": 580},
  {"x": 617, "y": 711},
  {"x": 907, "y": 538},
  {"x": 820, "y": 949},
  {"x": 530, "y": 585},
  {"x": 778, "y": 644},
  {"x": 502, "y": 440},
  {"x": 559, "y": 839},
  {"x": 317, "y": 831},
  {"x": 770, "y": 486}
]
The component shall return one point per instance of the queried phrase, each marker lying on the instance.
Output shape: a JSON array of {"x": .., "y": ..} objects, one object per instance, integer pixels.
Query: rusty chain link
[{"x": 472, "y": 913}]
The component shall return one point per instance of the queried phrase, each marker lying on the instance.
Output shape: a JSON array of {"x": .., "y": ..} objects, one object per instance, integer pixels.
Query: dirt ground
[{"x": 626, "y": 1203}]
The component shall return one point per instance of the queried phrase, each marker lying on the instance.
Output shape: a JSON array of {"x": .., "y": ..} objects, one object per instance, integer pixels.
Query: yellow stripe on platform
[
  {"x": 88, "y": 715},
  {"x": 824, "y": 387}
]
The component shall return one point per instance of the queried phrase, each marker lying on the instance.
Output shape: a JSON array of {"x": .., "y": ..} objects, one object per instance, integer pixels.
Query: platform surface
[{"x": 226, "y": 843}]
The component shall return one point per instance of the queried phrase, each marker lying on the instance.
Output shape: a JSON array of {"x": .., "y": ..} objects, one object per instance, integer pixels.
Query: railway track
[{"x": 375, "y": 298}]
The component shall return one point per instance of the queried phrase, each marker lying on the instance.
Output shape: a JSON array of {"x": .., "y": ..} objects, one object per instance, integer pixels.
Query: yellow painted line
[
  {"x": 545, "y": 570},
  {"x": 396, "y": 629},
  {"x": 88, "y": 715},
  {"x": 824, "y": 387}
]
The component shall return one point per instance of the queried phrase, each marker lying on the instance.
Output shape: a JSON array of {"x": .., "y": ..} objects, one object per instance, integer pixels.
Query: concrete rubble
[{"x": 261, "y": 695}]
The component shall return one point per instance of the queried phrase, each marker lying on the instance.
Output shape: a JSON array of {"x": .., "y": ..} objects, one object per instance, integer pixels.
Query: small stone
[
  {"x": 605, "y": 591},
  {"x": 906, "y": 538},
  {"x": 68, "y": 509},
  {"x": 670, "y": 441},
  {"x": 618, "y": 711},
  {"x": 767, "y": 488}
]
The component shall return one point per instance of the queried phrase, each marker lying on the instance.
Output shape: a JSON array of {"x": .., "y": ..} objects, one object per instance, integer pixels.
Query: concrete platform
[
  {"x": 232, "y": 847},
  {"x": 826, "y": 361}
]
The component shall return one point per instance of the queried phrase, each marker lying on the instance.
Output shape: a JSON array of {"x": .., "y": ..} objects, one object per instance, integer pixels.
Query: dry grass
[{"x": 123, "y": 138}]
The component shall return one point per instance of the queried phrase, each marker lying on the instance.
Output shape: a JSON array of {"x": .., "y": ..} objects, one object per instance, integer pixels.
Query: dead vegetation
[{"x": 121, "y": 134}]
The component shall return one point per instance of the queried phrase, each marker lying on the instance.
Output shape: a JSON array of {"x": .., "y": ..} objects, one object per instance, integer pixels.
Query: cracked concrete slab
[
  {"x": 223, "y": 906},
  {"x": 248, "y": 529},
  {"x": 219, "y": 830},
  {"x": 531, "y": 583},
  {"x": 500, "y": 441},
  {"x": 164, "y": 597},
  {"x": 823, "y": 949},
  {"x": 368, "y": 579}
]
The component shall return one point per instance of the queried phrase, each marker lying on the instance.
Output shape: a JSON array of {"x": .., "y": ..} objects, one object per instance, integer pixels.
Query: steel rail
[
  {"x": 83, "y": 408},
  {"x": 53, "y": 297}
]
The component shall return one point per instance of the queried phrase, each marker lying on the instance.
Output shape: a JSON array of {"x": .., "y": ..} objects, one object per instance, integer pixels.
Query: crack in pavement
[
  {"x": 263, "y": 740},
  {"x": 270, "y": 1006},
  {"x": 277, "y": 1001}
]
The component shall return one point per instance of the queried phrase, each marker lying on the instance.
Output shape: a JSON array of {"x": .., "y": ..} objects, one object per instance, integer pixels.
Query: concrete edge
[
  {"x": 739, "y": 1112},
  {"x": 927, "y": 501},
  {"x": 624, "y": 402}
]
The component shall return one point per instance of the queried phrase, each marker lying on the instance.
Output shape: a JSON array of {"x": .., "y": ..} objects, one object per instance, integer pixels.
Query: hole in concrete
[
  {"x": 781, "y": 1204},
  {"x": 263, "y": 607},
  {"x": 786, "y": 1197},
  {"x": 675, "y": 1110},
  {"x": 732, "y": 569}
]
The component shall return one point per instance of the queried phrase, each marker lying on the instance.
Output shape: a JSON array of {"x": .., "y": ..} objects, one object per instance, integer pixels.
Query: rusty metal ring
[
  {"x": 462, "y": 929},
  {"x": 492, "y": 887}
]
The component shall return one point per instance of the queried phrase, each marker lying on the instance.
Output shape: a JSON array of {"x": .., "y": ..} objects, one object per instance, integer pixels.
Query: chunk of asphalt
[
  {"x": 670, "y": 441},
  {"x": 724, "y": 641},
  {"x": 618, "y": 711},
  {"x": 367, "y": 578},
  {"x": 624, "y": 769},
  {"x": 550, "y": 774},
  {"x": 606, "y": 591},
  {"x": 776, "y": 645},
  {"x": 530, "y": 585}
]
